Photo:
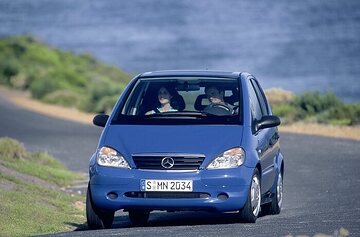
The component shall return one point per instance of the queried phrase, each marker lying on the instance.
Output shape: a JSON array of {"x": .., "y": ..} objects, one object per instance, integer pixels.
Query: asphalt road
[
  {"x": 72, "y": 143},
  {"x": 321, "y": 181}
]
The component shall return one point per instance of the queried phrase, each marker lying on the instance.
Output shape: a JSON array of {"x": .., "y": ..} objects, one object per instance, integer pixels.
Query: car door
[{"x": 267, "y": 138}]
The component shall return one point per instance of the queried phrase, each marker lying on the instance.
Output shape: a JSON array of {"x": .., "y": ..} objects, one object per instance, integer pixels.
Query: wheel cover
[
  {"x": 279, "y": 189},
  {"x": 255, "y": 196}
]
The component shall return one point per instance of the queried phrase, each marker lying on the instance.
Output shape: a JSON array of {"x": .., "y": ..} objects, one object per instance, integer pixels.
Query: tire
[
  {"x": 139, "y": 217},
  {"x": 250, "y": 212},
  {"x": 97, "y": 219},
  {"x": 274, "y": 207}
]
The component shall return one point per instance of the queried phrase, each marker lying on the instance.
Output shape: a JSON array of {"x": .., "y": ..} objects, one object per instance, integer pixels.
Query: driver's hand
[{"x": 215, "y": 100}]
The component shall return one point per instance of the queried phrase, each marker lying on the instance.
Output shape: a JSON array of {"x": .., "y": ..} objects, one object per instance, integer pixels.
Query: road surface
[{"x": 321, "y": 181}]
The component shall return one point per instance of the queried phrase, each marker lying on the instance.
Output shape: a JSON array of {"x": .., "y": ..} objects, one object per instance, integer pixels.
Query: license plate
[{"x": 166, "y": 185}]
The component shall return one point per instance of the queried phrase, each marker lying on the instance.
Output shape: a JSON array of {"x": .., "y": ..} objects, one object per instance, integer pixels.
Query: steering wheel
[{"x": 219, "y": 109}]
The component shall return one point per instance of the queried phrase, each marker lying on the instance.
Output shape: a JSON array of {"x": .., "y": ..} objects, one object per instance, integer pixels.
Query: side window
[
  {"x": 261, "y": 97},
  {"x": 254, "y": 103},
  {"x": 134, "y": 99}
]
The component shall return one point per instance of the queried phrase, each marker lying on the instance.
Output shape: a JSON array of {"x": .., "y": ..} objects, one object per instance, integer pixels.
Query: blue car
[{"x": 187, "y": 140}]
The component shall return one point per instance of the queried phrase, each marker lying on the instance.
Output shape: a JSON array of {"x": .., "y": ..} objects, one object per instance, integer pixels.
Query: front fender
[{"x": 279, "y": 162}]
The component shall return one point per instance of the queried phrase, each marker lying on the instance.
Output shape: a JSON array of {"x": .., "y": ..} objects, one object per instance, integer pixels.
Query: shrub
[
  {"x": 10, "y": 148},
  {"x": 9, "y": 69},
  {"x": 100, "y": 90},
  {"x": 312, "y": 103},
  {"x": 41, "y": 54},
  {"x": 19, "y": 81},
  {"x": 41, "y": 87},
  {"x": 19, "y": 47},
  {"x": 342, "y": 115},
  {"x": 317, "y": 107},
  {"x": 287, "y": 112},
  {"x": 106, "y": 104},
  {"x": 65, "y": 98}
]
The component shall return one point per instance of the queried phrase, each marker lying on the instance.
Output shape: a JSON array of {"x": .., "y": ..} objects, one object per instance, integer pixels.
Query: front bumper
[{"x": 225, "y": 190}]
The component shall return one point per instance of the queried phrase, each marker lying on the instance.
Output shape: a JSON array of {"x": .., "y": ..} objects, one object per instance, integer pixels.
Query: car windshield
[{"x": 182, "y": 99}]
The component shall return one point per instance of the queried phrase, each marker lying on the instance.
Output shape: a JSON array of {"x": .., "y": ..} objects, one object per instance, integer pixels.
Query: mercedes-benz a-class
[{"x": 187, "y": 140}]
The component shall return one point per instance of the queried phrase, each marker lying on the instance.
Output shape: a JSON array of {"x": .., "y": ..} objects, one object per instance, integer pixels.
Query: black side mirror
[
  {"x": 100, "y": 120},
  {"x": 268, "y": 121}
]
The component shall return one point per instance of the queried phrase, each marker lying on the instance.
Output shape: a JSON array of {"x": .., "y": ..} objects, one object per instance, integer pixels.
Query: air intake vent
[{"x": 166, "y": 195}]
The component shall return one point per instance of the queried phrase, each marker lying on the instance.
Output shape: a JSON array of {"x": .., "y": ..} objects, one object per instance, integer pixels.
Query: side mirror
[
  {"x": 100, "y": 120},
  {"x": 268, "y": 121}
]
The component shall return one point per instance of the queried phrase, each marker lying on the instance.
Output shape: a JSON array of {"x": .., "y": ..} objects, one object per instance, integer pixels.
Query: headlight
[
  {"x": 110, "y": 157},
  {"x": 229, "y": 159}
]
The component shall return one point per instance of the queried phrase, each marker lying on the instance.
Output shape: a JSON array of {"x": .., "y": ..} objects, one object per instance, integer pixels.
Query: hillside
[
  {"x": 59, "y": 77},
  {"x": 81, "y": 81}
]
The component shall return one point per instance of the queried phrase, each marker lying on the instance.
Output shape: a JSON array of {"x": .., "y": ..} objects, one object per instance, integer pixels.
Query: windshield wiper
[{"x": 179, "y": 114}]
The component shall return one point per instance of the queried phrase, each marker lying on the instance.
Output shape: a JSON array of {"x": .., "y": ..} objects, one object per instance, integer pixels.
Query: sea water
[{"x": 297, "y": 45}]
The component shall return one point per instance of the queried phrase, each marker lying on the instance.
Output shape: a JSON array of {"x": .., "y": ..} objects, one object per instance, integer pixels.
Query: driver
[{"x": 216, "y": 97}]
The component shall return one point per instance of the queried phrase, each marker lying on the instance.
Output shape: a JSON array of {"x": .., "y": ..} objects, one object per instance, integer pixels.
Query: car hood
[{"x": 210, "y": 140}]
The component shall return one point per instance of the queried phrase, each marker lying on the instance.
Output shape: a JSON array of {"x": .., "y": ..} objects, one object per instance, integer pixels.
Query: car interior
[{"x": 185, "y": 97}]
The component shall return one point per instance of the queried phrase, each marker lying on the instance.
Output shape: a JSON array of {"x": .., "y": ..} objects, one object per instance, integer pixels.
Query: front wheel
[
  {"x": 97, "y": 219},
  {"x": 249, "y": 213},
  {"x": 274, "y": 207}
]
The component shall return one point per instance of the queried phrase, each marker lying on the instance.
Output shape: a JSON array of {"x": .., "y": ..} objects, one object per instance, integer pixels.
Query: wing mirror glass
[{"x": 100, "y": 120}]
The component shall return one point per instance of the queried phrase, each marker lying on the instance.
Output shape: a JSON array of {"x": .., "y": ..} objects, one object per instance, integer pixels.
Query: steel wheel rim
[
  {"x": 255, "y": 196},
  {"x": 279, "y": 190}
]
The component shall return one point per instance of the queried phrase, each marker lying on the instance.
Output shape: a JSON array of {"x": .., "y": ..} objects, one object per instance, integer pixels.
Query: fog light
[
  {"x": 204, "y": 195},
  {"x": 112, "y": 195},
  {"x": 223, "y": 196}
]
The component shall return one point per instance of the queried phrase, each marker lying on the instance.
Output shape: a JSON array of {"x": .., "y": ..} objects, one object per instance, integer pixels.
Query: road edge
[{"x": 23, "y": 100}]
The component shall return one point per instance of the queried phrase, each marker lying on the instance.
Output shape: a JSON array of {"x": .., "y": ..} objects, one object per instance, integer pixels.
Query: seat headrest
[
  {"x": 198, "y": 102},
  {"x": 177, "y": 102}
]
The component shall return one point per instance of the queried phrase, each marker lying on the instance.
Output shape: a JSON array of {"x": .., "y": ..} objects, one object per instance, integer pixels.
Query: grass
[
  {"x": 43, "y": 166},
  {"x": 32, "y": 202},
  {"x": 38, "y": 164}
]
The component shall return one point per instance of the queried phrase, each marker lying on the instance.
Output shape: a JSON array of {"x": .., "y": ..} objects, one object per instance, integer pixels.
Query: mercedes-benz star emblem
[{"x": 167, "y": 162}]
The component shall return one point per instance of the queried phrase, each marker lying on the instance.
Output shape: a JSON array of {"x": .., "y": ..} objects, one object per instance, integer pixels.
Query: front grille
[
  {"x": 166, "y": 195},
  {"x": 181, "y": 162}
]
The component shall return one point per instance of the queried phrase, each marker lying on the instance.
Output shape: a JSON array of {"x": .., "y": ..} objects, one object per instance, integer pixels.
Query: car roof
[{"x": 190, "y": 73}]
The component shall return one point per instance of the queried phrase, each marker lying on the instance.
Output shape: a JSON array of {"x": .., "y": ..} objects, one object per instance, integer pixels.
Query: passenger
[
  {"x": 164, "y": 105},
  {"x": 216, "y": 97}
]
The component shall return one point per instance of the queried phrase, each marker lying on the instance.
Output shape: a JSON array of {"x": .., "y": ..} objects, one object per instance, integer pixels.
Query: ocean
[{"x": 296, "y": 45}]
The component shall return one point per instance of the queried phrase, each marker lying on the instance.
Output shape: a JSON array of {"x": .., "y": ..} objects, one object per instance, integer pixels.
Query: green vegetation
[
  {"x": 59, "y": 77},
  {"x": 315, "y": 107},
  {"x": 80, "y": 81},
  {"x": 32, "y": 202}
]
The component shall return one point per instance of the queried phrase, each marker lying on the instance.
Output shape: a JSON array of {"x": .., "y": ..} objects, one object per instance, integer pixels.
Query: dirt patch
[
  {"x": 79, "y": 205},
  {"x": 23, "y": 100},
  {"x": 323, "y": 130},
  {"x": 7, "y": 185}
]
